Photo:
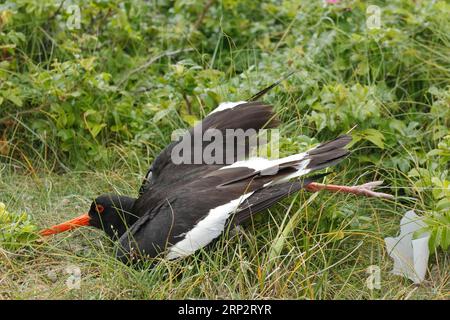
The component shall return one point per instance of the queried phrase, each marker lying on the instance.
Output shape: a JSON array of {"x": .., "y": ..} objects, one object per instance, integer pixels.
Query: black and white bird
[{"x": 184, "y": 207}]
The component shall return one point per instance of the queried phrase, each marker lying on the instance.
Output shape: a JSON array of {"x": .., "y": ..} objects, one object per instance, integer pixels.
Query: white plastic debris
[{"x": 410, "y": 256}]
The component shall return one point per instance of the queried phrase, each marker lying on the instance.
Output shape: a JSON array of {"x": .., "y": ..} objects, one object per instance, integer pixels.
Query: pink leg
[{"x": 363, "y": 189}]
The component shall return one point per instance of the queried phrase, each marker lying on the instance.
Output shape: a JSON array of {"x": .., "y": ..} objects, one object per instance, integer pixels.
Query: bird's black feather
[{"x": 251, "y": 115}]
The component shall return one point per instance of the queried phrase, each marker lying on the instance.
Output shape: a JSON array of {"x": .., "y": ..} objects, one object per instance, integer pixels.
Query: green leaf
[
  {"x": 190, "y": 119},
  {"x": 443, "y": 204},
  {"x": 445, "y": 242},
  {"x": 397, "y": 125},
  {"x": 432, "y": 241},
  {"x": 15, "y": 99},
  {"x": 95, "y": 129},
  {"x": 65, "y": 134},
  {"x": 438, "y": 237},
  {"x": 161, "y": 114},
  {"x": 88, "y": 63},
  {"x": 374, "y": 136}
]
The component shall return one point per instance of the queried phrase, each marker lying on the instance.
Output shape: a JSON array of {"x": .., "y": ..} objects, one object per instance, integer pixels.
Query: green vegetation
[
  {"x": 84, "y": 109},
  {"x": 15, "y": 229}
]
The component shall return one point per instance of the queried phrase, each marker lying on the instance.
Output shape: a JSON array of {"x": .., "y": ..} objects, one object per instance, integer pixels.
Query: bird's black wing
[
  {"x": 249, "y": 115},
  {"x": 165, "y": 224},
  {"x": 194, "y": 214}
]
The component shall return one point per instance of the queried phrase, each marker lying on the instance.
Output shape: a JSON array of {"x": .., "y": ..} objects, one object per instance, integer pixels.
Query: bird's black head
[{"x": 111, "y": 213}]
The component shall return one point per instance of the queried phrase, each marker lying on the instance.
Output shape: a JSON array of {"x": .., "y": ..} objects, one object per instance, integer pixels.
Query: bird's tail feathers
[{"x": 329, "y": 153}]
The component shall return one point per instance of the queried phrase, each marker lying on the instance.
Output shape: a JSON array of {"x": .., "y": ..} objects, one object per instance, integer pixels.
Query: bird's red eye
[{"x": 99, "y": 208}]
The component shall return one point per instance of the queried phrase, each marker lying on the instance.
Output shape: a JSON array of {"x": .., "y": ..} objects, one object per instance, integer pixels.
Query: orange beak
[{"x": 80, "y": 221}]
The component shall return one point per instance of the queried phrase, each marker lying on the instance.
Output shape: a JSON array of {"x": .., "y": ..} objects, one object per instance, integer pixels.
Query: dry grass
[{"x": 285, "y": 253}]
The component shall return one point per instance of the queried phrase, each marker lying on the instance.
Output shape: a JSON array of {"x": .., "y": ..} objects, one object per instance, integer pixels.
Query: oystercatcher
[{"x": 184, "y": 207}]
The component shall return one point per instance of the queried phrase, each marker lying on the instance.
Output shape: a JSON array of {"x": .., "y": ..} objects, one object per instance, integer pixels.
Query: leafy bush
[
  {"x": 16, "y": 229},
  {"x": 438, "y": 225}
]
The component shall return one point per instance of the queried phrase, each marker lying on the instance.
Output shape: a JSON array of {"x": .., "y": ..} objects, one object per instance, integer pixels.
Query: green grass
[{"x": 312, "y": 263}]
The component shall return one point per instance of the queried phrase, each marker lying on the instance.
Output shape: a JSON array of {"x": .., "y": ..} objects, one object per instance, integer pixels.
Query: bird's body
[{"x": 183, "y": 207}]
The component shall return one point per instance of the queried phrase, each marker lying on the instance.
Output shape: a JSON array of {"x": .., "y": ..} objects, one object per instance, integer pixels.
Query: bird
[{"x": 184, "y": 207}]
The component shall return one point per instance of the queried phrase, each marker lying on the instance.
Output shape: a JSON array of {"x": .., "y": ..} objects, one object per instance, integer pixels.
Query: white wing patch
[
  {"x": 256, "y": 164},
  {"x": 227, "y": 105},
  {"x": 206, "y": 229},
  {"x": 270, "y": 166},
  {"x": 259, "y": 163}
]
